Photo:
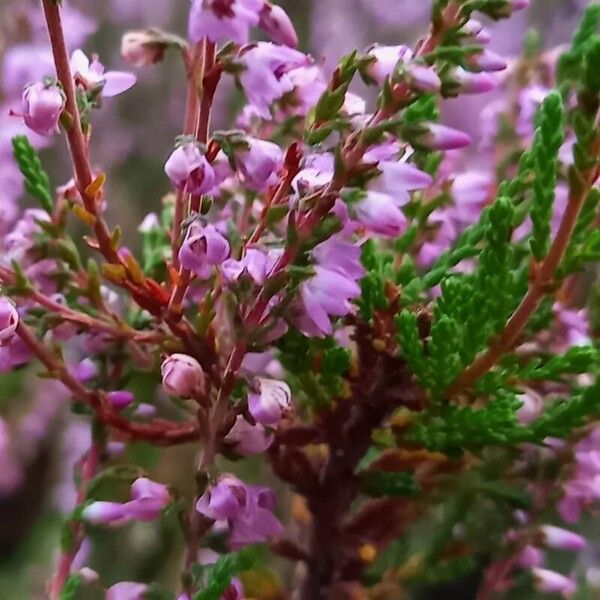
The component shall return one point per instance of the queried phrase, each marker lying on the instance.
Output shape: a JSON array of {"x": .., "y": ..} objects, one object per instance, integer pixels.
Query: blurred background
[{"x": 133, "y": 135}]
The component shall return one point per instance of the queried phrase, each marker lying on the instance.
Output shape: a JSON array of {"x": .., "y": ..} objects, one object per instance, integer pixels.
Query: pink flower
[
  {"x": 531, "y": 557},
  {"x": 248, "y": 510},
  {"x": 247, "y": 439},
  {"x": 105, "y": 513},
  {"x": 86, "y": 370},
  {"x": 182, "y": 375},
  {"x": 42, "y": 105},
  {"x": 562, "y": 539},
  {"x": 256, "y": 264},
  {"x": 141, "y": 48},
  {"x": 223, "y": 20},
  {"x": 440, "y": 137},
  {"x": 188, "y": 169},
  {"x": 380, "y": 213},
  {"x": 127, "y": 590},
  {"x": 259, "y": 163},
  {"x": 551, "y": 582},
  {"x": 486, "y": 60},
  {"x": 276, "y": 23},
  {"x": 384, "y": 61},
  {"x": 92, "y": 76},
  {"x": 9, "y": 319},
  {"x": 532, "y": 407},
  {"x": 120, "y": 399},
  {"x": 265, "y": 74},
  {"x": 472, "y": 83},
  {"x": 203, "y": 248},
  {"x": 327, "y": 293},
  {"x": 274, "y": 398},
  {"x": 148, "y": 500}
]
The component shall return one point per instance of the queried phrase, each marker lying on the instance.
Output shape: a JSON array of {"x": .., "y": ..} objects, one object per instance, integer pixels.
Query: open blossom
[
  {"x": 256, "y": 264},
  {"x": 258, "y": 163},
  {"x": 223, "y": 20},
  {"x": 247, "y": 508},
  {"x": 326, "y": 294},
  {"x": 247, "y": 439},
  {"x": 42, "y": 105},
  {"x": 381, "y": 214},
  {"x": 182, "y": 375},
  {"x": 265, "y": 76},
  {"x": 276, "y": 23},
  {"x": 203, "y": 248},
  {"x": 92, "y": 75},
  {"x": 188, "y": 169},
  {"x": 273, "y": 399},
  {"x": 9, "y": 319}
]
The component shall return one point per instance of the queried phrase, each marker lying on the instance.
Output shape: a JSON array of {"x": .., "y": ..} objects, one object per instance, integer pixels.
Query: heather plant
[{"x": 338, "y": 296}]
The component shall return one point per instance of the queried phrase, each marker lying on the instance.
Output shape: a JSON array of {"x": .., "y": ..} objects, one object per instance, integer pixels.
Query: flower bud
[
  {"x": 188, "y": 169},
  {"x": 562, "y": 539},
  {"x": 86, "y": 370},
  {"x": 423, "y": 78},
  {"x": 476, "y": 31},
  {"x": 472, "y": 83},
  {"x": 127, "y": 590},
  {"x": 384, "y": 61},
  {"x": 440, "y": 137},
  {"x": 278, "y": 26},
  {"x": 488, "y": 61},
  {"x": 182, "y": 376},
  {"x": 148, "y": 500},
  {"x": 9, "y": 319},
  {"x": 141, "y": 48},
  {"x": 105, "y": 513},
  {"x": 551, "y": 582},
  {"x": 120, "y": 399},
  {"x": 42, "y": 104}
]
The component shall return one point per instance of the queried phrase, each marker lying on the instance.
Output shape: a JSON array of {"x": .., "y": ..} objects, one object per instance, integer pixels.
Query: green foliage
[
  {"x": 36, "y": 180},
  {"x": 378, "y": 265},
  {"x": 228, "y": 566},
  {"x": 548, "y": 140},
  {"x": 411, "y": 345},
  {"x": 71, "y": 587},
  {"x": 570, "y": 63},
  {"x": 387, "y": 484},
  {"x": 315, "y": 367}
]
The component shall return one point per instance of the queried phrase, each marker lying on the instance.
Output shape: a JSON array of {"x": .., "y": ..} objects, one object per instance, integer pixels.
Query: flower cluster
[{"x": 383, "y": 310}]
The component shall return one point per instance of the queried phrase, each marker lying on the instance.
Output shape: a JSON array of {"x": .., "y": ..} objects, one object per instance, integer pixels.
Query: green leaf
[
  {"x": 36, "y": 180},
  {"x": 380, "y": 484}
]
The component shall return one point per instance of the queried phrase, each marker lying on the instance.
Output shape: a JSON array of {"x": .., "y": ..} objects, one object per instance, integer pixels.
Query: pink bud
[
  {"x": 562, "y": 539},
  {"x": 476, "y": 31},
  {"x": 105, "y": 513},
  {"x": 384, "y": 61},
  {"x": 276, "y": 23},
  {"x": 551, "y": 582},
  {"x": 126, "y": 590},
  {"x": 488, "y": 61},
  {"x": 148, "y": 500},
  {"x": 472, "y": 83},
  {"x": 141, "y": 48},
  {"x": 531, "y": 557},
  {"x": 440, "y": 137},
  {"x": 42, "y": 104},
  {"x": 9, "y": 319},
  {"x": 519, "y": 4},
  {"x": 188, "y": 168},
  {"x": 120, "y": 399},
  {"x": 423, "y": 78},
  {"x": 182, "y": 376},
  {"x": 86, "y": 370}
]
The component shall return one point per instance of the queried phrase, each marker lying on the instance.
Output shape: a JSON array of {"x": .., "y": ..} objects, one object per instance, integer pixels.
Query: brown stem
[
  {"x": 75, "y": 136},
  {"x": 209, "y": 78}
]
